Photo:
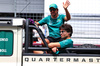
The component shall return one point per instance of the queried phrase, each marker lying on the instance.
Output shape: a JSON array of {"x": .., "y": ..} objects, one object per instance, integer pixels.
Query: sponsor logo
[{"x": 58, "y": 20}]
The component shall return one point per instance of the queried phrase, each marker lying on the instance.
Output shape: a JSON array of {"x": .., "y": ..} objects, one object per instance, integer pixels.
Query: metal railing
[{"x": 76, "y": 51}]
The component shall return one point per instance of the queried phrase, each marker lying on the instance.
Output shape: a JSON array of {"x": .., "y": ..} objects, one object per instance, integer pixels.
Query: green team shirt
[
  {"x": 68, "y": 43},
  {"x": 53, "y": 25}
]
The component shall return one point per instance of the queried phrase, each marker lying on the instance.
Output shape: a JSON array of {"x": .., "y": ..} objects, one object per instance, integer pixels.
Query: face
[
  {"x": 54, "y": 12},
  {"x": 64, "y": 34}
]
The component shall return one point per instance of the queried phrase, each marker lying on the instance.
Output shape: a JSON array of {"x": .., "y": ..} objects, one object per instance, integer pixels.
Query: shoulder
[
  {"x": 62, "y": 15},
  {"x": 67, "y": 41}
]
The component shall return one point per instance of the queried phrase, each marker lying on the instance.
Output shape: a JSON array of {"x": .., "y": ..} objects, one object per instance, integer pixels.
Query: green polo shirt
[
  {"x": 53, "y": 25},
  {"x": 68, "y": 43}
]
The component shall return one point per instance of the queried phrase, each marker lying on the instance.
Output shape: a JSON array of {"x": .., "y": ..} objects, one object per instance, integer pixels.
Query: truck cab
[{"x": 11, "y": 41}]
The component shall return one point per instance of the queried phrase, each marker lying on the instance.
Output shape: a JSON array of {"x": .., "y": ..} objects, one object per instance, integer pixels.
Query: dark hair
[{"x": 67, "y": 27}]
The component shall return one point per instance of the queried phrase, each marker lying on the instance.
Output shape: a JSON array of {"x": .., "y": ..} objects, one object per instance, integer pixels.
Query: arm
[
  {"x": 56, "y": 44},
  {"x": 37, "y": 23},
  {"x": 65, "y": 6},
  {"x": 54, "y": 47},
  {"x": 42, "y": 21}
]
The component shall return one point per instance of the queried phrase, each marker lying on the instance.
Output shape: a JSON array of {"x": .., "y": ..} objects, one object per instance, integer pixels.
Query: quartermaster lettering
[{"x": 91, "y": 60}]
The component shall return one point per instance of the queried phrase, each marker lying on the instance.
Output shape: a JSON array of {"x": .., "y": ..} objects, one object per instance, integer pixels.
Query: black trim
[
  {"x": 39, "y": 48},
  {"x": 40, "y": 33},
  {"x": 28, "y": 35},
  {"x": 65, "y": 54},
  {"x": 8, "y": 22},
  {"x": 70, "y": 49}
]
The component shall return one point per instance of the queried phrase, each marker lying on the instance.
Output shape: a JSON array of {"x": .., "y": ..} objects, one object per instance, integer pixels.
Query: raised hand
[{"x": 66, "y": 4}]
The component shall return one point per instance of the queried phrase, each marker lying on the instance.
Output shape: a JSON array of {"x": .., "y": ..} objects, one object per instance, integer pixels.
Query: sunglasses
[
  {"x": 52, "y": 10},
  {"x": 62, "y": 31}
]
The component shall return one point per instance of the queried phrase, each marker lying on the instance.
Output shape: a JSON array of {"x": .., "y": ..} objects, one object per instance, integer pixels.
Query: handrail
[
  {"x": 68, "y": 49},
  {"x": 40, "y": 33},
  {"x": 28, "y": 27},
  {"x": 71, "y": 49}
]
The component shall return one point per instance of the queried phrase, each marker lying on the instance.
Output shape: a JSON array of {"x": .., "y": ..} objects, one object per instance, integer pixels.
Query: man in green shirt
[
  {"x": 54, "y": 21},
  {"x": 66, "y": 33}
]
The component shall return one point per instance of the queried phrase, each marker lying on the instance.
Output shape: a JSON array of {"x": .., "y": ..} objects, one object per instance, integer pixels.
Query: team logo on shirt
[
  {"x": 58, "y": 20},
  {"x": 50, "y": 23}
]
